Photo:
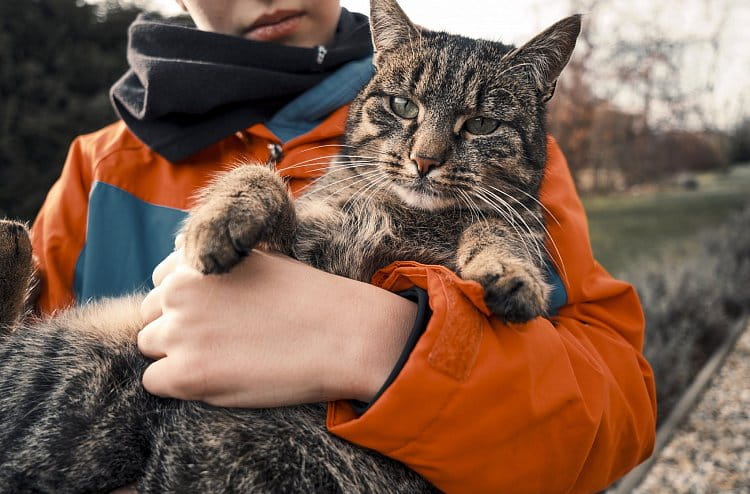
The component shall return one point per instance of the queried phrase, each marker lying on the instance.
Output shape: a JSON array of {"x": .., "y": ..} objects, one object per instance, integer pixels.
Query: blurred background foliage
[
  {"x": 638, "y": 102},
  {"x": 58, "y": 59}
]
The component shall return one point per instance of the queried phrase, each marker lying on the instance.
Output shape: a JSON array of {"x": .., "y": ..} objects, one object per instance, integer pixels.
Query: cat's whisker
[
  {"x": 508, "y": 218},
  {"x": 353, "y": 177},
  {"x": 335, "y": 167},
  {"x": 331, "y": 158},
  {"x": 325, "y": 158},
  {"x": 342, "y": 166},
  {"x": 360, "y": 163},
  {"x": 367, "y": 147},
  {"x": 558, "y": 256},
  {"x": 323, "y": 146},
  {"x": 380, "y": 186},
  {"x": 312, "y": 148},
  {"x": 475, "y": 207},
  {"x": 460, "y": 203},
  {"x": 527, "y": 159},
  {"x": 351, "y": 201},
  {"x": 518, "y": 215},
  {"x": 472, "y": 207},
  {"x": 532, "y": 213},
  {"x": 345, "y": 156},
  {"x": 551, "y": 215},
  {"x": 483, "y": 217},
  {"x": 509, "y": 213},
  {"x": 361, "y": 187},
  {"x": 330, "y": 171},
  {"x": 536, "y": 240},
  {"x": 317, "y": 180},
  {"x": 361, "y": 190}
]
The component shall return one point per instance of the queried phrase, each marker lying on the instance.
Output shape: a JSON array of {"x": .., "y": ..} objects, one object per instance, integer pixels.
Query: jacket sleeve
[
  {"x": 564, "y": 404},
  {"x": 59, "y": 231}
]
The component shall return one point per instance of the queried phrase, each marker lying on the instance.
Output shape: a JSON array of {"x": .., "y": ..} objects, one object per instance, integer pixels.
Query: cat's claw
[
  {"x": 515, "y": 296},
  {"x": 216, "y": 243}
]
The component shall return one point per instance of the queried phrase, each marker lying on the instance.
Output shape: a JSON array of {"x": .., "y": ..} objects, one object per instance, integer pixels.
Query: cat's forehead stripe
[{"x": 451, "y": 69}]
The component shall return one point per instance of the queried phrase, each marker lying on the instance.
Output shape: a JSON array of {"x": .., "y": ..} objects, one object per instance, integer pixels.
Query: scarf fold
[{"x": 187, "y": 89}]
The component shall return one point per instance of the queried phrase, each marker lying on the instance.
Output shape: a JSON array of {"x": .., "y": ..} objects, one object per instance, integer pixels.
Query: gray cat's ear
[
  {"x": 545, "y": 56},
  {"x": 390, "y": 26}
]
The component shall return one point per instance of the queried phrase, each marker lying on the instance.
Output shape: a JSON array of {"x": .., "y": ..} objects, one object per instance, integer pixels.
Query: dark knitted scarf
[{"x": 187, "y": 89}]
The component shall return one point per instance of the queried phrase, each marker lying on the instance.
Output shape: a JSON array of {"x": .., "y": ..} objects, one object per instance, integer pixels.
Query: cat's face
[{"x": 447, "y": 117}]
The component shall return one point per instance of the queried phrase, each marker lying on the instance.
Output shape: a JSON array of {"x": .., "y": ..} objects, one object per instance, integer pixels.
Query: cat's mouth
[{"x": 422, "y": 193}]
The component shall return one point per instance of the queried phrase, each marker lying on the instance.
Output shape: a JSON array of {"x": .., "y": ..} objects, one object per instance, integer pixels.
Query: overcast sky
[{"x": 514, "y": 21}]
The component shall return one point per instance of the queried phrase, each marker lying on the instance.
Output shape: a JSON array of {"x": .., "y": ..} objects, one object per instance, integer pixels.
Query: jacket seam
[{"x": 100, "y": 160}]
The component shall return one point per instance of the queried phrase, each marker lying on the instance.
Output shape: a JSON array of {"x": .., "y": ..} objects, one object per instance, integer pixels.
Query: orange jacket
[{"x": 565, "y": 404}]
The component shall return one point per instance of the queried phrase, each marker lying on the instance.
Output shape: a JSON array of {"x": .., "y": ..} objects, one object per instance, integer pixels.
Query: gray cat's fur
[{"x": 75, "y": 417}]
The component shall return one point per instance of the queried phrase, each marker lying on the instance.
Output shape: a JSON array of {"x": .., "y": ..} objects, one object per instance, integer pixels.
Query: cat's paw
[
  {"x": 15, "y": 245},
  {"x": 514, "y": 293},
  {"x": 243, "y": 207},
  {"x": 16, "y": 272},
  {"x": 217, "y": 240}
]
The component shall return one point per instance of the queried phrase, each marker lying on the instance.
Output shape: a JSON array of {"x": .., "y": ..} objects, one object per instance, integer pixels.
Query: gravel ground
[{"x": 710, "y": 452}]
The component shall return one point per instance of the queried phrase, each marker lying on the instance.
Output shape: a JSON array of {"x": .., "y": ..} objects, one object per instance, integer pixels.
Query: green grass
[{"x": 626, "y": 228}]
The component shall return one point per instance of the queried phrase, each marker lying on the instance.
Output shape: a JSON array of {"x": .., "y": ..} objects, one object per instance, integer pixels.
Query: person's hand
[{"x": 271, "y": 332}]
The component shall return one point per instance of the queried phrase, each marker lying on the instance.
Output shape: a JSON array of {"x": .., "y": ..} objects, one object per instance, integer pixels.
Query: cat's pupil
[
  {"x": 404, "y": 108},
  {"x": 481, "y": 125}
]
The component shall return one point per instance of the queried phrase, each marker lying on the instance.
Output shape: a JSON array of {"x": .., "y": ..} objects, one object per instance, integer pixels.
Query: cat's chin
[{"x": 421, "y": 200}]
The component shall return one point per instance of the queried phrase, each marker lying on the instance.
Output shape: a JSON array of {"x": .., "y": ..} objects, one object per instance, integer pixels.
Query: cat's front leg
[
  {"x": 515, "y": 288},
  {"x": 244, "y": 207}
]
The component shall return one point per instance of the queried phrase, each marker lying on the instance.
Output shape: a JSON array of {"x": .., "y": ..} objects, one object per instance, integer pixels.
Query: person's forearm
[{"x": 372, "y": 326}]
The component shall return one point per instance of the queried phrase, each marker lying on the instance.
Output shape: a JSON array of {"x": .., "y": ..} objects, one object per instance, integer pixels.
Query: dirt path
[{"x": 710, "y": 453}]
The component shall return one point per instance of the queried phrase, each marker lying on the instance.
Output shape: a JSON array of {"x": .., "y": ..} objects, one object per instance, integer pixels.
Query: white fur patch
[{"x": 422, "y": 201}]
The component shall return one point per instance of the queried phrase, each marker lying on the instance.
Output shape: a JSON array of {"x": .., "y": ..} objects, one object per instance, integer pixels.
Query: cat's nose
[{"x": 424, "y": 163}]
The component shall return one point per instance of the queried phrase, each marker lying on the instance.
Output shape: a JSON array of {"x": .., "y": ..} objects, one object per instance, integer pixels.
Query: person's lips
[{"x": 274, "y": 25}]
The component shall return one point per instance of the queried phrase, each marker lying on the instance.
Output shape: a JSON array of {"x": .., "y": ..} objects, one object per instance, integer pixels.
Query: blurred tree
[
  {"x": 739, "y": 142},
  {"x": 59, "y": 58},
  {"x": 624, "y": 112}
]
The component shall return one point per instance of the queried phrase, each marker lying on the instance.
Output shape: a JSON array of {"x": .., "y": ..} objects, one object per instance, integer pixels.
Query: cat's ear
[
  {"x": 390, "y": 26},
  {"x": 545, "y": 56}
]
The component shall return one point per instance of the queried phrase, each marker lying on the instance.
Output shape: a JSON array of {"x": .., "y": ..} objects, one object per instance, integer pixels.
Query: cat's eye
[
  {"x": 404, "y": 108},
  {"x": 481, "y": 125}
]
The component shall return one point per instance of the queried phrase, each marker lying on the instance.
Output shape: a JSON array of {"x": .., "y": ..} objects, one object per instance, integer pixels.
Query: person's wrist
[{"x": 371, "y": 328}]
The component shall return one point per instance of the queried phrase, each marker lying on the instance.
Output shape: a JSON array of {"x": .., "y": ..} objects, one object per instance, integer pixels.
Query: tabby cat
[{"x": 442, "y": 164}]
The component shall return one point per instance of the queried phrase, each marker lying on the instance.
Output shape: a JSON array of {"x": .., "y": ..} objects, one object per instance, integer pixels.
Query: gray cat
[{"x": 444, "y": 155}]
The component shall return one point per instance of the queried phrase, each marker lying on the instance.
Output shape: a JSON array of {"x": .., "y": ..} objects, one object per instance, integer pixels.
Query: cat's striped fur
[{"x": 415, "y": 182}]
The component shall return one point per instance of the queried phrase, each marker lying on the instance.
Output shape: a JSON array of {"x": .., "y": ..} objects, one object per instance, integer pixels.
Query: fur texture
[
  {"x": 444, "y": 156},
  {"x": 16, "y": 274}
]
